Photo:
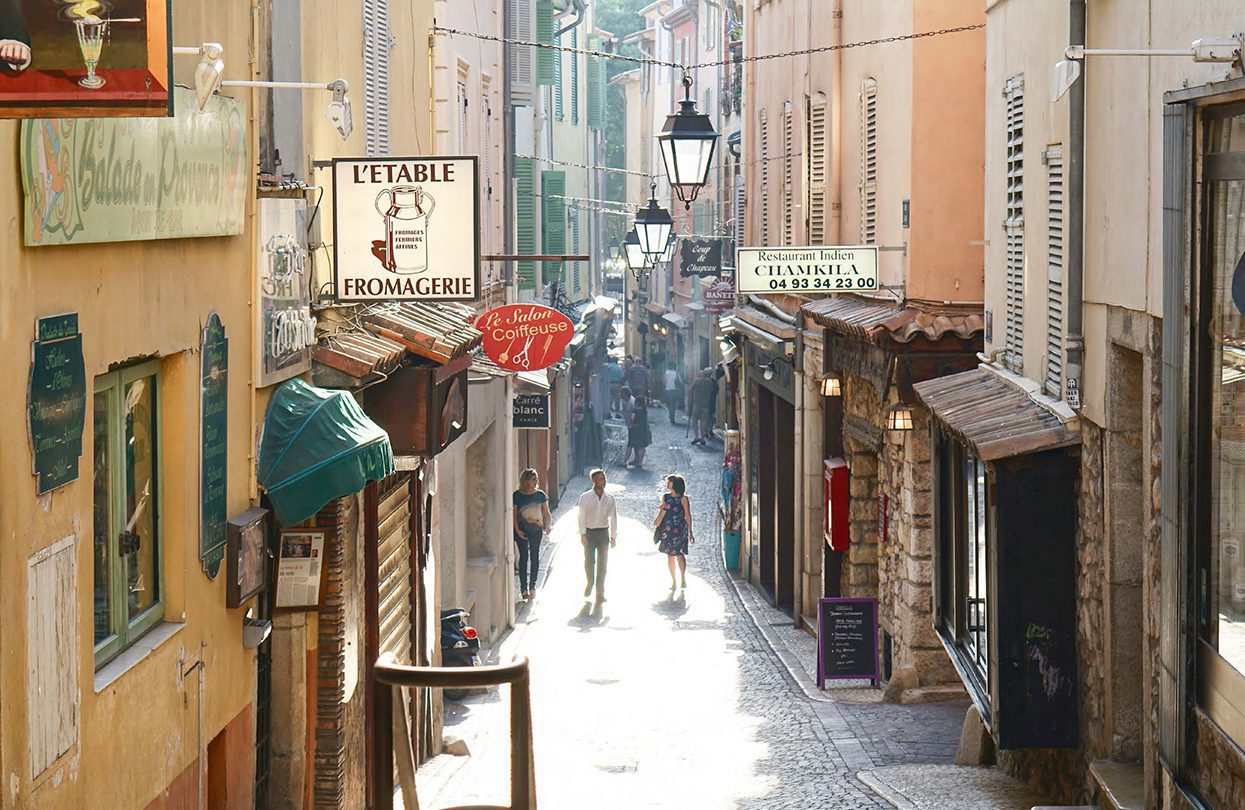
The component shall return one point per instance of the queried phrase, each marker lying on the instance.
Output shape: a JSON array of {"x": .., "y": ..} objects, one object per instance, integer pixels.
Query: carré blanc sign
[
  {"x": 404, "y": 229},
  {"x": 821, "y": 268}
]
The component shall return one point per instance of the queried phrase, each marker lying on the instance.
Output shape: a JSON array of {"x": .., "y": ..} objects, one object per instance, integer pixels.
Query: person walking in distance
[
  {"x": 673, "y": 526},
  {"x": 531, "y": 521},
  {"x": 672, "y": 392},
  {"x": 637, "y": 381},
  {"x": 702, "y": 397},
  {"x": 598, "y": 531}
]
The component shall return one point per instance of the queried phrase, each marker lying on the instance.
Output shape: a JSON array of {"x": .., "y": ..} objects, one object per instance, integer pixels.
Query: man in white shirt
[{"x": 598, "y": 531}]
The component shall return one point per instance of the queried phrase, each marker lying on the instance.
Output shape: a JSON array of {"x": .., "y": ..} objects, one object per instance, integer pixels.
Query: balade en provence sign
[
  {"x": 806, "y": 269},
  {"x": 123, "y": 179},
  {"x": 404, "y": 229}
]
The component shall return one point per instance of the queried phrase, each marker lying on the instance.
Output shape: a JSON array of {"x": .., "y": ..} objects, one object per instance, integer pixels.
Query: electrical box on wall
[{"x": 835, "y": 493}]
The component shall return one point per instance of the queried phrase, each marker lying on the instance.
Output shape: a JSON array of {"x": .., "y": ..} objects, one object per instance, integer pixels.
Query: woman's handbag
[{"x": 657, "y": 528}]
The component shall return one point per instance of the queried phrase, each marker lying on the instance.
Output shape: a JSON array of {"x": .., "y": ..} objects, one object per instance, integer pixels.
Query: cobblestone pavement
[{"x": 679, "y": 700}]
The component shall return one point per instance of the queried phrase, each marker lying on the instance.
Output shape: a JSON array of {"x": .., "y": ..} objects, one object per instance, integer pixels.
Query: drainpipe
[
  {"x": 1076, "y": 207},
  {"x": 836, "y": 113},
  {"x": 797, "y": 601},
  {"x": 580, "y": 10}
]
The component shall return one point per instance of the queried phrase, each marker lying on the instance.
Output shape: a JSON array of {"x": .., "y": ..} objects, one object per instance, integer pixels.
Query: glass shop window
[{"x": 127, "y": 544}]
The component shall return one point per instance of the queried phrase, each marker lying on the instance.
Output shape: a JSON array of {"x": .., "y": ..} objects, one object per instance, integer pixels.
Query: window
[
  {"x": 1222, "y": 555},
  {"x": 1054, "y": 271},
  {"x": 1014, "y": 226},
  {"x": 520, "y": 59},
  {"x": 869, "y": 162},
  {"x": 788, "y": 179},
  {"x": 127, "y": 546},
  {"x": 818, "y": 160},
  {"x": 763, "y": 127},
  {"x": 709, "y": 27},
  {"x": 376, "y": 44}
]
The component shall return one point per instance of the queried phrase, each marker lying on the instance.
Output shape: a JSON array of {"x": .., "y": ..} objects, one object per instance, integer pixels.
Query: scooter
[{"x": 460, "y": 645}]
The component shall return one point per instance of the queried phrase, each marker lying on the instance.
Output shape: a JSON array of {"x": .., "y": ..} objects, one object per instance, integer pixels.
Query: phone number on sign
[{"x": 823, "y": 284}]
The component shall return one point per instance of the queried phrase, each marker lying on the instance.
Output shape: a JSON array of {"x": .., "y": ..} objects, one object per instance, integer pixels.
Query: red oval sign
[{"x": 525, "y": 337}]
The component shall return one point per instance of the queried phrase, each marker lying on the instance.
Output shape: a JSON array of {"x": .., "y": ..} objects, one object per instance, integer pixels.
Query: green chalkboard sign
[
  {"x": 214, "y": 459},
  {"x": 57, "y": 401}
]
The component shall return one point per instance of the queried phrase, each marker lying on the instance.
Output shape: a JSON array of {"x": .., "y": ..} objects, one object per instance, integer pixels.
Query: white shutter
[
  {"x": 818, "y": 161},
  {"x": 1054, "y": 272},
  {"x": 52, "y": 698},
  {"x": 376, "y": 40},
  {"x": 486, "y": 162},
  {"x": 869, "y": 161},
  {"x": 741, "y": 208},
  {"x": 522, "y": 57},
  {"x": 1014, "y": 227},
  {"x": 763, "y": 128},
  {"x": 788, "y": 180}
]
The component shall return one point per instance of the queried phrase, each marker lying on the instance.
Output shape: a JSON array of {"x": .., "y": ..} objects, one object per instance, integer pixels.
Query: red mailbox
[{"x": 836, "y": 504}]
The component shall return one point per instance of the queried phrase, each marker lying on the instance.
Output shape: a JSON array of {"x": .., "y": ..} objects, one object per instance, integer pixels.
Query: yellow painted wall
[{"x": 134, "y": 299}]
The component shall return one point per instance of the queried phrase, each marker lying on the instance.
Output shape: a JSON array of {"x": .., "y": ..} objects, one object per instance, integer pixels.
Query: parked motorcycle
[{"x": 460, "y": 645}]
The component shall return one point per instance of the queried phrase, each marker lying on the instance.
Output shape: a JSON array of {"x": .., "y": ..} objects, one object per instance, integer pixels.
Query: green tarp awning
[{"x": 318, "y": 445}]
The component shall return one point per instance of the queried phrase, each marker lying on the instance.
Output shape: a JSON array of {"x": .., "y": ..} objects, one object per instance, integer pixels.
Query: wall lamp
[
  {"x": 899, "y": 417},
  {"x": 209, "y": 70},
  {"x": 831, "y": 386},
  {"x": 1206, "y": 49},
  {"x": 338, "y": 110},
  {"x": 767, "y": 370}
]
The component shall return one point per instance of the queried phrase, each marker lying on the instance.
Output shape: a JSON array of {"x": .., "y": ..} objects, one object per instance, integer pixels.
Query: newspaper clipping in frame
[
  {"x": 405, "y": 229},
  {"x": 298, "y": 569}
]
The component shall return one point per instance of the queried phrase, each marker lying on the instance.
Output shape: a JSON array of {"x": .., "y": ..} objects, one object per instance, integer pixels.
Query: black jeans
[{"x": 529, "y": 554}]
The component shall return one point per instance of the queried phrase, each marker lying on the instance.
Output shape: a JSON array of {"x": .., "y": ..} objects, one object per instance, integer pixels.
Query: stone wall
[
  {"x": 862, "y": 433},
  {"x": 1152, "y": 442}
]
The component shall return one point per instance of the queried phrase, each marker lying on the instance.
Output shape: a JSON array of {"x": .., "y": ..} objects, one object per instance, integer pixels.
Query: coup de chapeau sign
[{"x": 700, "y": 257}]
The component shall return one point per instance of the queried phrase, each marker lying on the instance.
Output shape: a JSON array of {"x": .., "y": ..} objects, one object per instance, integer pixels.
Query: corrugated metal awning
[
  {"x": 878, "y": 320},
  {"x": 437, "y": 331},
  {"x": 533, "y": 380},
  {"x": 995, "y": 418},
  {"x": 676, "y": 320}
]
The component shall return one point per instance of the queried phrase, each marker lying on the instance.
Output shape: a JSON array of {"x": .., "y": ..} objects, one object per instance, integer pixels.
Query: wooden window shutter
[
  {"x": 559, "y": 87},
  {"x": 553, "y": 218},
  {"x": 462, "y": 104},
  {"x": 574, "y": 78},
  {"x": 596, "y": 85},
  {"x": 576, "y": 269},
  {"x": 546, "y": 58},
  {"x": 376, "y": 41},
  {"x": 525, "y": 219},
  {"x": 741, "y": 210},
  {"x": 1014, "y": 227},
  {"x": 486, "y": 161},
  {"x": 869, "y": 162},
  {"x": 1054, "y": 272},
  {"x": 763, "y": 128},
  {"x": 788, "y": 175},
  {"x": 818, "y": 164},
  {"x": 521, "y": 58}
]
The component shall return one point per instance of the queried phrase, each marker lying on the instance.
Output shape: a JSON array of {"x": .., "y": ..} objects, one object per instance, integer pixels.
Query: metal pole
[{"x": 1076, "y": 205}]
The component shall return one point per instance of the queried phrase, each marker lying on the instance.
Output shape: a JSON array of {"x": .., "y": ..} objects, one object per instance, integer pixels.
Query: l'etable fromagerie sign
[
  {"x": 800, "y": 269},
  {"x": 404, "y": 229}
]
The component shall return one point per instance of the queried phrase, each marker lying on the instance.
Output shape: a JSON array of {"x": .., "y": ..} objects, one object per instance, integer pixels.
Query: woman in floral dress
[{"x": 674, "y": 528}]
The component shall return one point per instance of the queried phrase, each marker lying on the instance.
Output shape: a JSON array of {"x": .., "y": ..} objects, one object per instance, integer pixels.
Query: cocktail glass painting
[{"x": 84, "y": 58}]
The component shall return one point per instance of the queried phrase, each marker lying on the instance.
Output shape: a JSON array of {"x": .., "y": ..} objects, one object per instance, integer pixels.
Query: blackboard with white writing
[
  {"x": 57, "y": 401},
  {"x": 213, "y": 464},
  {"x": 847, "y": 639}
]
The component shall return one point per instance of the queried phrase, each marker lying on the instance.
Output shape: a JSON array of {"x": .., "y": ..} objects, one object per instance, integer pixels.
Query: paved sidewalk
[{"x": 695, "y": 700}]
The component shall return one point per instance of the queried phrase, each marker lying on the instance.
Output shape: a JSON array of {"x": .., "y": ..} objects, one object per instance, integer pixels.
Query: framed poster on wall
[
  {"x": 246, "y": 553},
  {"x": 299, "y": 563}
]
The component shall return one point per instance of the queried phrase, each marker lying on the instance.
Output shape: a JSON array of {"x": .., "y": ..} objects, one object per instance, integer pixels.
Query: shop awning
[
  {"x": 537, "y": 381},
  {"x": 994, "y": 417},
  {"x": 318, "y": 445},
  {"x": 873, "y": 320},
  {"x": 770, "y": 334},
  {"x": 655, "y": 309},
  {"x": 438, "y": 331},
  {"x": 676, "y": 320}
]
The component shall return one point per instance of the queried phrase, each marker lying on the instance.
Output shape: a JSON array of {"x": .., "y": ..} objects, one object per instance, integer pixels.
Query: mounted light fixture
[
  {"x": 615, "y": 250},
  {"x": 1222, "y": 50},
  {"x": 767, "y": 370},
  {"x": 899, "y": 417},
  {"x": 653, "y": 225},
  {"x": 208, "y": 71},
  {"x": 831, "y": 386},
  {"x": 687, "y": 141},
  {"x": 338, "y": 109}
]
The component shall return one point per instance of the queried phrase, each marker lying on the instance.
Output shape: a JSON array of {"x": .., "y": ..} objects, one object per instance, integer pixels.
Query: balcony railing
[{"x": 398, "y": 676}]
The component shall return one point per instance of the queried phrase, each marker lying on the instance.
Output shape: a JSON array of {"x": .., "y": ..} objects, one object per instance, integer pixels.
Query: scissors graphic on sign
[{"x": 522, "y": 358}]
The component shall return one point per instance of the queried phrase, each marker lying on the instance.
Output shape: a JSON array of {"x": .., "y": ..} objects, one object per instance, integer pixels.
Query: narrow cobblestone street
[{"x": 692, "y": 701}]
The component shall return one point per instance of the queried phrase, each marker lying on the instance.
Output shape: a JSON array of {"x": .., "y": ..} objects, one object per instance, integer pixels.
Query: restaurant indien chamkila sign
[{"x": 125, "y": 179}]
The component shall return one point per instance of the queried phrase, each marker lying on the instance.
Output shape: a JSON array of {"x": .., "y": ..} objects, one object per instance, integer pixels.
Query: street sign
[
  {"x": 827, "y": 269},
  {"x": 406, "y": 229},
  {"x": 531, "y": 411}
]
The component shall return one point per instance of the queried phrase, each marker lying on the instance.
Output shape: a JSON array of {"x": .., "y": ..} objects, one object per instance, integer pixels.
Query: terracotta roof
[
  {"x": 358, "y": 354},
  {"x": 878, "y": 320},
  {"x": 481, "y": 364},
  {"x": 994, "y": 417},
  {"x": 437, "y": 331}
]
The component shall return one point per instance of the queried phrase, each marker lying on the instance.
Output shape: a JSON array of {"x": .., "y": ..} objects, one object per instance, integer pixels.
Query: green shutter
[
  {"x": 525, "y": 215},
  {"x": 553, "y": 218},
  {"x": 596, "y": 85},
  {"x": 574, "y": 78},
  {"x": 546, "y": 59},
  {"x": 559, "y": 87}
]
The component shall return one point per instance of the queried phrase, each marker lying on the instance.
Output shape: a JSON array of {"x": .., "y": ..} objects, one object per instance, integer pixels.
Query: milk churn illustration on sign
[{"x": 407, "y": 212}]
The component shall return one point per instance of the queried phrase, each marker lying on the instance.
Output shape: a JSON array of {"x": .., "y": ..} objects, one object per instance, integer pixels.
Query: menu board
[
  {"x": 213, "y": 462},
  {"x": 57, "y": 401},
  {"x": 298, "y": 568},
  {"x": 847, "y": 639}
]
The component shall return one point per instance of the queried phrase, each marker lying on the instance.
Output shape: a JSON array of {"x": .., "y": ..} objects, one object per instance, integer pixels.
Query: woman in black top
[{"x": 531, "y": 521}]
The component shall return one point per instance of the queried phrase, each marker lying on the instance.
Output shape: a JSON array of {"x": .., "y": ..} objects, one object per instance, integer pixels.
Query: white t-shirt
[{"x": 672, "y": 378}]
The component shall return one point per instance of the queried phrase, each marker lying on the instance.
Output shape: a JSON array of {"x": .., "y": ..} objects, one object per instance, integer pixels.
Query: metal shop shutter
[{"x": 393, "y": 567}]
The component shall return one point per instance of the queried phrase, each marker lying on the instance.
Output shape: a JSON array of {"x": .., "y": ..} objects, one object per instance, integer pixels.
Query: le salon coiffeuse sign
[
  {"x": 525, "y": 337},
  {"x": 404, "y": 229}
]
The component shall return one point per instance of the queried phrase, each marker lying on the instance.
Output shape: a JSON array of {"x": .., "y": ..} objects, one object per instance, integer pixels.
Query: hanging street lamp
[
  {"x": 653, "y": 225},
  {"x": 637, "y": 261},
  {"x": 668, "y": 255},
  {"x": 687, "y": 141}
]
